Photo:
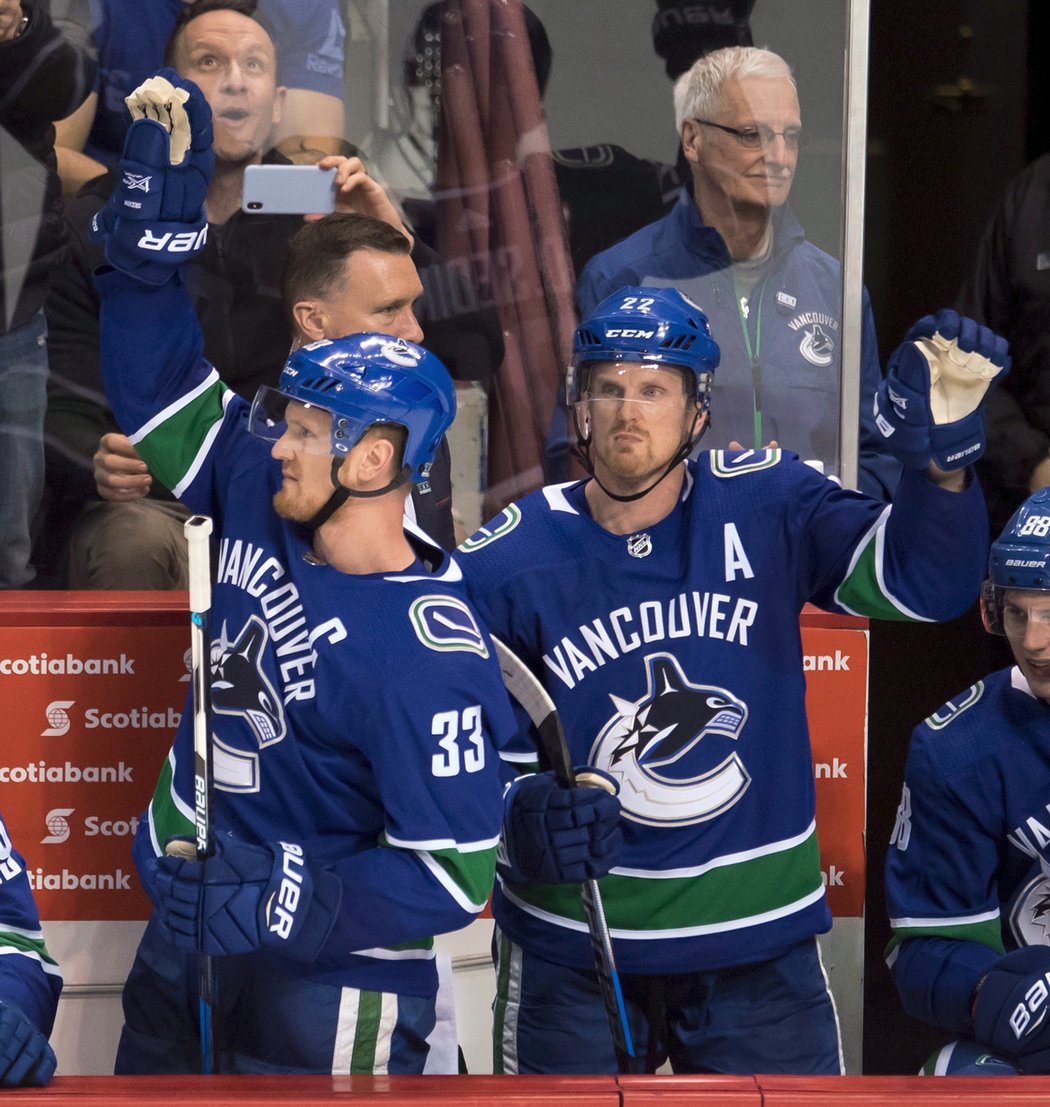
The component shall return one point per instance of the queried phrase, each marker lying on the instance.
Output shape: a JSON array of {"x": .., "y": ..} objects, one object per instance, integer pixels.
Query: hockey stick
[
  {"x": 198, "y": 530},
  {"x": 527, "y": 690}
]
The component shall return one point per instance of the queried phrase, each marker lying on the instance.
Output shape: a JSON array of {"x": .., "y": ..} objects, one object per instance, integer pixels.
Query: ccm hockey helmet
[
  {"x": 655, "y": 325},
  {"x": 362, "y": 380},
  {"x": 1019, "y": 558}
]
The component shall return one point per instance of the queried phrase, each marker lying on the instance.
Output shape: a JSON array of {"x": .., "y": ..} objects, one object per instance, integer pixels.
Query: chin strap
[
  {"x": 582, "y": 450},
  {"x": 341, "y": 494}
]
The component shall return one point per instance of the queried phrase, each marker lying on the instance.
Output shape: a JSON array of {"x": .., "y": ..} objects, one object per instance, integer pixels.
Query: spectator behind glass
[
  {"x": 733, "y": 245},
  {"x": 1009, "y": 290},
  {"x": 130, "y": 37},
  {"x": 133, "y": 539},
  {"x": 42, "y": 78}
]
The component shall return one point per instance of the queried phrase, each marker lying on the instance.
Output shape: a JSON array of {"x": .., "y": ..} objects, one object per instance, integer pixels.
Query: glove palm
[{"x": 928, "y": 407}]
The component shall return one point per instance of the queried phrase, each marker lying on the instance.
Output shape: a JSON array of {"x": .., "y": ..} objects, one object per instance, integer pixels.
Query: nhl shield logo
[{"x": 639, "y": 545}]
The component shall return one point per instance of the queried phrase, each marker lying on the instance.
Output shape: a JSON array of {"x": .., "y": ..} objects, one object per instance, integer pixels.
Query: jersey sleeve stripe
[
  {"x": 986, "y": 933},
  {"x": 466, "y": 877},
  {"x": 441, "y": 844},
  {"x": 946, "y": 921},
  {"x": 169, "y": 816},
  {"x": 864, "y": 591},
  {"x": 174, "y": 443},
  {"x": 34, "y": 950}
]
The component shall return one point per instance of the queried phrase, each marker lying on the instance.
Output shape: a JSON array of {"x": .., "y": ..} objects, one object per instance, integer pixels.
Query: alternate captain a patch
[{"x": 445, "y": 624}]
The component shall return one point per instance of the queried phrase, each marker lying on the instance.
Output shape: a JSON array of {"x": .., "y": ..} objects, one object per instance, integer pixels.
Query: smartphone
[{"x": 288, "y": 189}]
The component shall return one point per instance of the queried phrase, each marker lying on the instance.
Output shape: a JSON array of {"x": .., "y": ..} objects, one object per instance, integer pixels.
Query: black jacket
[
  {"x": 42, "y": 78},
  {"x": 1009, "y": 291},
  {"x": 235, "y": 285}
]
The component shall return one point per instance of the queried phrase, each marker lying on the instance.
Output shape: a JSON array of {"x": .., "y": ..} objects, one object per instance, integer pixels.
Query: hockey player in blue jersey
[
  {"x": 358, "y": 709},
  {"x": 30, "y": 981},
  {"x": 968, "y": 871},
  {"x": 659, "y": 604}
]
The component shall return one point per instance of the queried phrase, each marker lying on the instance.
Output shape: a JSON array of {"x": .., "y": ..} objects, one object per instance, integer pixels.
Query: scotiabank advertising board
[
  {"x": 835, "y": 657},
  {"x": 92, "y": 687},
  {"x": 89, "y": 712}
]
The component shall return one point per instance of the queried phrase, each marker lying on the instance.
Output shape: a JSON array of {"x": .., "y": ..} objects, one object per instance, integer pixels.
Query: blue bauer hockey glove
[
  {"x": 247, "y": 897},
  {"x": 558, "y": 835},
  {"x": 26, "y": 1057},
  {"x": 154, "y": 219},
  {"x": 1011, "y": 1014},
  {"x": 929, "y": 406}
]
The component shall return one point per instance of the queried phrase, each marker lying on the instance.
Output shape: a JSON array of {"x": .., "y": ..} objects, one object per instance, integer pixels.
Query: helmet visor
[
  {"x": 307, "y": 427},
  {"x": 1012, "y": 612}
]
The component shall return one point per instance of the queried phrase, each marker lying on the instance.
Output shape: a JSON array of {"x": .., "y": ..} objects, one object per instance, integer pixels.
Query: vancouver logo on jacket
[
  {"x": 654, "y": 747},
  {"x": 818, "y": 334}
]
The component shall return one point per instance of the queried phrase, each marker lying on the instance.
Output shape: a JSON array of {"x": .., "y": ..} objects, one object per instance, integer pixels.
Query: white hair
[{"x": 698, "y": 91}]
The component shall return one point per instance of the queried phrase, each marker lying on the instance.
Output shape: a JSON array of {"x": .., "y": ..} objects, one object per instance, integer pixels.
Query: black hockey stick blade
[{"x": 522, "y": 684}]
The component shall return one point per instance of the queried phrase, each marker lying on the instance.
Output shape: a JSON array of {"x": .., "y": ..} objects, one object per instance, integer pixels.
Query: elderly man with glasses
[{"x": 733, "y": 245}]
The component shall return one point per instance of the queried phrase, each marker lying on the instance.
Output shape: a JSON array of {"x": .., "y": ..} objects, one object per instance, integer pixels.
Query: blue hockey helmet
[
  {"x": 1019, "y": 558},
  {"x": 363, "y": 380},
  {"x": 653, "y": 325}
]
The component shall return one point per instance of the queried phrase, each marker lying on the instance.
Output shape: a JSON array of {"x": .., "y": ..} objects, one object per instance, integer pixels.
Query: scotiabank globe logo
[
  {"x": 57, "y": 718},
  {"x": 57, "y": 820}
]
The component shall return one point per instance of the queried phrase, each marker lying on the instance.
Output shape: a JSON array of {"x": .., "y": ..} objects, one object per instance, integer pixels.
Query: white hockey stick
[
  {"x": 533, "y": 697},
  {"x": 198, "y": 531}
]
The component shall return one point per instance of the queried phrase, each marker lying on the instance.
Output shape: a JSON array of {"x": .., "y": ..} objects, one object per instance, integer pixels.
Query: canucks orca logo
[
  {"x": 817, "y": 346},
  {"x": 240, "y": 687},
  {"x": 664, "y": 731},
  {"x": 1030, "y": 914}
]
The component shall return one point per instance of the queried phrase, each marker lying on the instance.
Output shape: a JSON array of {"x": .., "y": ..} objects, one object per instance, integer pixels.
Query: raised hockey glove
[
  {"x": 246, "y": 897},
  {"x": 154, "y": 219},
  {"x": 1011, "y": 1014},
  {"x": 26, "y": 1057},
  {"x": 929, "y": 406},
  {"x": 558, "y": 835}
]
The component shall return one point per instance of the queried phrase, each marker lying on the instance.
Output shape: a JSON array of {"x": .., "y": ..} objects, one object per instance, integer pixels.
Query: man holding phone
[{"x": 133, "y": 537}]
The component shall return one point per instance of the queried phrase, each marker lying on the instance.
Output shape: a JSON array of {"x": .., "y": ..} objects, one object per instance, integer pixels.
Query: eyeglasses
[{"x": 753, "y": 138}]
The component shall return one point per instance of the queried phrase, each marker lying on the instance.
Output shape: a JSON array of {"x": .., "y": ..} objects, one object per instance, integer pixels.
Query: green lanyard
[{"x": 753, "y": 355}]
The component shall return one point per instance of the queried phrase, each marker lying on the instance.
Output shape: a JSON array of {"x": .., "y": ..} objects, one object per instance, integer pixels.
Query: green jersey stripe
[
  {"x": 987, "y": 933},
  {"x": 167, "y": 817},
  {"x": 863, "y": 591},
  {"x": 20, "y": 943},
  {"x": 467, "y": 877},
  {"x": 725, "y": 897},
  {"x": 174, "y": 442}
]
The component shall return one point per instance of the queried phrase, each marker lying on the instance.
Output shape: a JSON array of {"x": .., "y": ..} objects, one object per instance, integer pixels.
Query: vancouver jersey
[
  {"x": 674, "y": 657},
  {"x": 969, "y": 859},
  {"x": 355, "y": 715},
  {"x": 29, "y": 977}
]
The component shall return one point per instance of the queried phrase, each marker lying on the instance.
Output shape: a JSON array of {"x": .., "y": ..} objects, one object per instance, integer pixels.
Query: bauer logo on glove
[
  {"x": 929, "y": 407},
  {"x": 155, "y": 218}
]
